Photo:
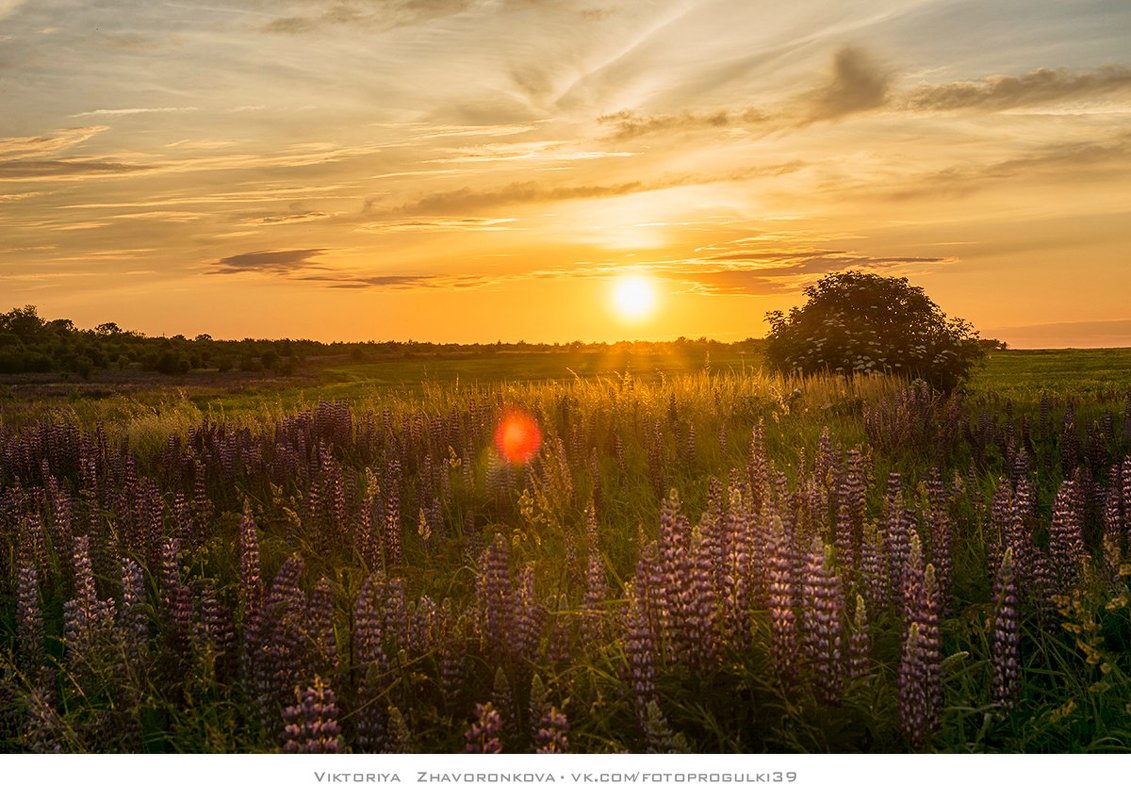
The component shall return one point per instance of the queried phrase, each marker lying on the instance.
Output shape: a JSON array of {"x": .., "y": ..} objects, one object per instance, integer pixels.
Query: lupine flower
[
  {"x": 914, "y": 710},
  {"x": 920, "y": 673},
  {"x": 823, "y": 607},
  {"x": 320, "y": 625},
  {"x": 251, "y": 584},
  {"x": 495, "y": 599},
  {"x": 596, "y": 593},
  {"x": 29, "y": 617},
  {"x": 502, "y": 701},
  {"x": 1066, "y": 543},
  {"x": 311, "y": 724},
  {"x": 539, "y": 704},
  {"x": 1005, "y": 645},
  {"x": 640, "y": 653},
  {"x": 551, "y": 737},
  {"x": 392, "y": 528},
  {"x": 734, "y": 580},
  {"x": 529, "y": 616},
  {"x": 483, "y": 737},
  {"x": 364, "y": 540},
  {"x": 450, "y": 644},
  {"x": 783, "y": 620},
  {"x": 281, "y": 655},
  {"x": 859, "y": 649}
]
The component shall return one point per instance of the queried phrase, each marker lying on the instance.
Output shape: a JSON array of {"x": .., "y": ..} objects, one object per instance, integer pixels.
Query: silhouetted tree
[{"x": 855, "y": 322}]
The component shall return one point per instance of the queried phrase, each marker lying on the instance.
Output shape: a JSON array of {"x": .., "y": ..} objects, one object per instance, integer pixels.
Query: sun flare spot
[
  {"x": 518, "y": 437},
  {"x": 634, "y": 297}
]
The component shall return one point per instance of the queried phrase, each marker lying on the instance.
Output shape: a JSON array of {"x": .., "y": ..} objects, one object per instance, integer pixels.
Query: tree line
[{"x": 31, "y": 344}]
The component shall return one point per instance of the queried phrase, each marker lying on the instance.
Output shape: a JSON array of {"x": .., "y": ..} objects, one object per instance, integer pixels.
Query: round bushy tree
[{"x": 855, "y": 322}]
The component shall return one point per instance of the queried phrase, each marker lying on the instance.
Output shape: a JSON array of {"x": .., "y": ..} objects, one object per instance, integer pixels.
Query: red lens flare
[{"x": 518, "y": 437}]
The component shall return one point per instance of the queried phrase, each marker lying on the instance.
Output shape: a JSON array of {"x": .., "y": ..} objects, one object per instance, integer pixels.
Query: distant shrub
[{"x": 855, "y": 322}]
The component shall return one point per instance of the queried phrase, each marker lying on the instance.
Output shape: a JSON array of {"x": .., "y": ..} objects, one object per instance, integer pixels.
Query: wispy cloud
[
  {"x": 858, "y": 84},
  {"x": 1076, "y": 159},
  {"x": 1033, "y": 88},
  {"x": 302, "y": 265},
  {"x": 631, "y": 124},
  {"x": 437, "y": 224},
  {"x": 467, "y": 200},
  {"x": 65, "y": 169},
  {"x": 275, "y": 262},
  {"x": 129, "y": 112},
  {"x": 21, "y": 147},
  {"x": 374, "y": 14},
  {"x": 291, "y": 218},
  {"x": 774, "y": 270}
]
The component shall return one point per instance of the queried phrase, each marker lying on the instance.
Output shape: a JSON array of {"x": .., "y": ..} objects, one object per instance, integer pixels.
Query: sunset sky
[{"x": 474, "y": 170}]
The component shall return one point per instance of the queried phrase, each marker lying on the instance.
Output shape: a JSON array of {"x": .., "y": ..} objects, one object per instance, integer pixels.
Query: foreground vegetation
[{"x": 711, "y": 560}]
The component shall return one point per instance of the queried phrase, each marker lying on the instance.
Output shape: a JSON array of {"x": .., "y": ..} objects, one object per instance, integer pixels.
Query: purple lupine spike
[
  {"x": 858, "y": 654},
  {"x": 847, "y": 547},
  {"x": 822, "y": 609},
  {"x": 502, "y": 700},
  {"x": 896, "y": 530},
  {"x": 529, "y": 616},
  {"x": 280, "y": 658},
  {"x": 62, "y": 516},
  {"x": 596, "y": 595},
  {"x": 700, "y": 607},
  {"x": 449, "y": 643},
  {"x": 364, "y": 540},
  {"x": 942, "y": 557},
  {"x": 79, "y": 612},
  {"x": 311, "y": 724},
  {"x": 1112, "y": 540},
  {"x": 1005, "y": 647},
  {"x": 483, "y": 737},
  {"x": 913, "y": 707},
  {"x": 640, "y": 653},
  {"x": 552, "y": 735},
  {"x": 1125, "y": 481},
  {"x": 735, "y": 577},
  {"x": 395, "y": 605},
  {"x": 251, "y": 583},
  {"x": 783, "y": 619},
  {"x": 133, "y": 620},
  {"x": 369, "y": 626},
  {"x": 539, "y": 705},
  {"x": 920, "y": 677},
  {"x": 758, "y": 465},
  {"x": 182, "y": 516},
  {"x": 29, "y": 618},
  {"x": 1066, "y": 543},
  {"x": 392, "y": 523},
  {"x": 320, "y": 627},
  {"x": 36, "y": 544},
  {"x": 496, "y": 597}
]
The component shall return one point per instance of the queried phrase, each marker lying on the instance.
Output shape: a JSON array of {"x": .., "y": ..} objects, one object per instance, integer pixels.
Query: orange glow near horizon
[{"x": 518, "y": 437}]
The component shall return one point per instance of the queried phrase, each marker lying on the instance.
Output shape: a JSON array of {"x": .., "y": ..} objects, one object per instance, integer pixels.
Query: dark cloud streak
[{"x": 1034, "y": 88}]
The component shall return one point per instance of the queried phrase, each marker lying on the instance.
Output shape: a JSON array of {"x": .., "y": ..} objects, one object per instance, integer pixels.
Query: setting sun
[{"x": 634, "y": 297}]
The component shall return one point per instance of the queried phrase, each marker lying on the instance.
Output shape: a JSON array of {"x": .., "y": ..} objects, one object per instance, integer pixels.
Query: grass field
[{"x": 694, "y": 557}]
